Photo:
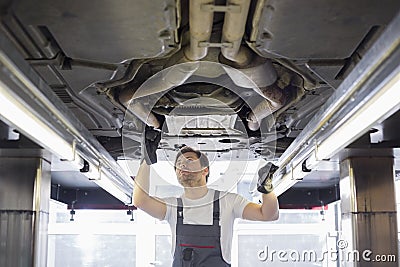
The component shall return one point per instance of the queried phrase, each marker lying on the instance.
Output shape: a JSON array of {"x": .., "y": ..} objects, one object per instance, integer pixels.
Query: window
[{"x": 109, "y": 238}]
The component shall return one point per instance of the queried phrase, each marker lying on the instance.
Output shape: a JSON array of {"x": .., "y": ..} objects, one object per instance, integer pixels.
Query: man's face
[{"x": 189, "y": 171}]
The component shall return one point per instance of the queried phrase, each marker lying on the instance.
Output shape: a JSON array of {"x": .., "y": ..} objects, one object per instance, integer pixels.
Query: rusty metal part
[
  {"x": 233, "y": 30},
  {"x": 274, "y": 100},
  {"x": 200, "y": 23}
]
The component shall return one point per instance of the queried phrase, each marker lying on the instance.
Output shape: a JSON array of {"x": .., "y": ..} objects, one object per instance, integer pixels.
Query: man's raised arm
[
  {"x": 141, "y": 198},
  {"x": 269, "y": 209}
]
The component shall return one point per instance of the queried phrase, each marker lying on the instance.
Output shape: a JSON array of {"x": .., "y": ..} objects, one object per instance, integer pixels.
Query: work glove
[
  {"x": 152, "y": 138},
  {"x": 264, "y": 184}
]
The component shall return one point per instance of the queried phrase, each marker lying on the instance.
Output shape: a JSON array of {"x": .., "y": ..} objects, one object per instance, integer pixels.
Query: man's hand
[
  {"x": 152, "y": 138},
  {"x": 265, "y": 174}
]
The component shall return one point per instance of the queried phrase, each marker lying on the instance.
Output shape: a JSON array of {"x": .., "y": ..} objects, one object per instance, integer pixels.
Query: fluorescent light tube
[
  {"x": 16, "y": 114},
  {"x": 378, "y": 108},
  {"x": 102, "y": 179},
  {"x": 375, "y": 110},
  {"x": 285, "y": 183},
  {"x": 111, "y": 188}
]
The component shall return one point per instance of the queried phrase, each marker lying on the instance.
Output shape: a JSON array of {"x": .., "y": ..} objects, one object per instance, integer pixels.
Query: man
[{"x": 202, "y": 219}]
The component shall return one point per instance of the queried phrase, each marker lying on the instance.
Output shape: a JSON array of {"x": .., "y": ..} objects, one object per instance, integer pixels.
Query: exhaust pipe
[
  {"x": 144, "y": 114},
  {"x": 274, "y": 100},
  {"x": 160, "y": 83},
  {"x": 262, "y": 74},
  {"x": 233, "y": 31},
  {"x": 200, "y": 23},
  {"x": 261, "y": 78}
]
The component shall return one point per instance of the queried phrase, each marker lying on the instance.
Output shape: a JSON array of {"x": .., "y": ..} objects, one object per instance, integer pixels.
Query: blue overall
[{"x": 198, "y": 245}]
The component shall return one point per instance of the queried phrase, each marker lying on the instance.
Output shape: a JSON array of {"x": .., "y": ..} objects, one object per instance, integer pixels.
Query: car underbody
[{"x": 238, "y": 79}]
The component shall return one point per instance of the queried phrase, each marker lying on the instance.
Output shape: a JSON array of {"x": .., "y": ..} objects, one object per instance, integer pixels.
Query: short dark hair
[{"x": 204, "y": 163}]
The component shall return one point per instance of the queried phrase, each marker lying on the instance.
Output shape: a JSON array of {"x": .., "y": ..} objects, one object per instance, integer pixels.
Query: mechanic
[{"x": 201, "y": 220}]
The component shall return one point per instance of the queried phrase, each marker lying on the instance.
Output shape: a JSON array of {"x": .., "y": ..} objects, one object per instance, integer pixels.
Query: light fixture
[
  {"x": 15, "y": 113},
  {"x": 373, "y": 112},
  {"x": 369, "y": 95},
  {"x": 286, "y": 182},
  {"x": 32, "y": 107},
  {"x": 92, "y": 172},
  {"x": 100, "y": 176},
  {"x": 106, "y": 183}
]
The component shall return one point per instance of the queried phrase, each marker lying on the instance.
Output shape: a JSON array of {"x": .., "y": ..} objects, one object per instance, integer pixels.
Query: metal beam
[
  {"x": 22, "y": 86},
  {"x": 368, "y": 96}
]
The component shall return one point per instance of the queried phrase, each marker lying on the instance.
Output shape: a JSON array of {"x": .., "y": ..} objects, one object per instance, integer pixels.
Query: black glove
[
  {"x": 152, "y": 138},
  {"x": 265, "y": 174}
]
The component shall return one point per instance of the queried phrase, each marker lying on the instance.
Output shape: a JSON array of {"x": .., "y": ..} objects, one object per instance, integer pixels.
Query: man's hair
[{"x": 204, "y": 163}]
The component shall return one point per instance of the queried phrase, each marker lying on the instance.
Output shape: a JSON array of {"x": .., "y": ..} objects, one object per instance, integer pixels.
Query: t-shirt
[{"x": 199, "y": 211}]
